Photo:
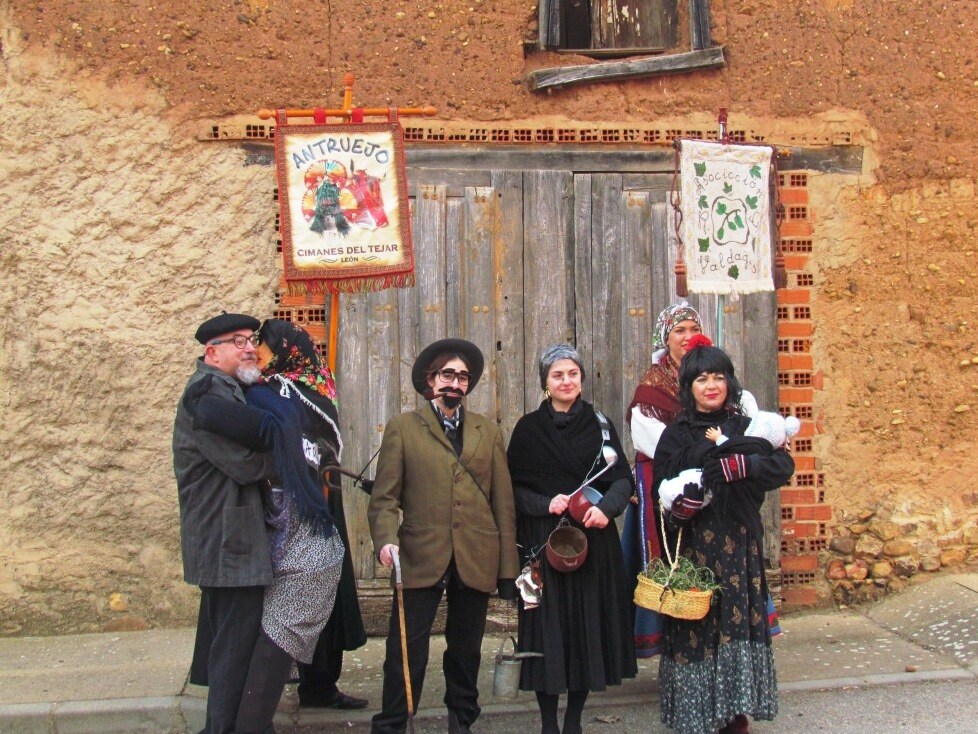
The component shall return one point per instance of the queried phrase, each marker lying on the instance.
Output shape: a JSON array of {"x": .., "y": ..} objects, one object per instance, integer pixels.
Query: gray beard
[{"x": 248, "y": 374}]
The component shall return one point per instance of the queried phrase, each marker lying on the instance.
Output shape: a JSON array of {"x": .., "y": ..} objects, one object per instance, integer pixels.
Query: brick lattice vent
[{"x": 804, "y": 514}]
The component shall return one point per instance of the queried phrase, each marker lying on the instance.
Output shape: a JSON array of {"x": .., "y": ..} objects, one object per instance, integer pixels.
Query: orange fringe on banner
[{"x": 350, "y": 285}]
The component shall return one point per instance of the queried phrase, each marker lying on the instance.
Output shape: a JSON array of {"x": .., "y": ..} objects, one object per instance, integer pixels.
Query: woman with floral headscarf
[
  {"x": 654, "y": 406},
  {"x": 292, "y": 413}
]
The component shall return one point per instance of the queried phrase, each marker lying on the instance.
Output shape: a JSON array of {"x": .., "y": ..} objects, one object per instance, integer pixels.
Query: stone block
[
  {"x": 858, "y": 570},
  {"x": 905, "y": 566},
  {"x": 953, "y": 556},
  {"x": 884, "y": 530},
  {"x": 869, "y": 547},
  {"x": 843, "y": 546},
  {"x": 882, "y": 570},
  {"x": 835, "y": 570},
  {"x": 899, "y": 547}
]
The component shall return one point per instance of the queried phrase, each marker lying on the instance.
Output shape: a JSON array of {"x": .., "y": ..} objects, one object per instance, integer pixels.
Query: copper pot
[
  {"x": 566, "y": 548},
  {"x": 581, "y": 501}
]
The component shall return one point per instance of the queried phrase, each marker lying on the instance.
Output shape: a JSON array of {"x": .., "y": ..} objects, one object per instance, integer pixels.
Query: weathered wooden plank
[
  {"x": 707, "y": 58},
  {"x": 507, "y": 247},
  {"x": 454, "y": 180},
  {"x": 454, "y": 226},
  {"x": 761, "y": 375},
  {"x": 606, "y": 293},
  {"x": 430, "y": 237},
  {"x": 477, "y": 311},
  {"x": 832, "y": 159},
  {"x": 637, "y": 316},
  {"x": 625, "y": 23},
  {"x": 846, "y": 159},
  {"x": 548, "y": 267},
  {"x": 583, "y": 239},
  {"x": 611, "y": 53},
  {"x": 576, "y": 158},
  {"x": 548, "y": 17},
  {"x": 359, "y": 437},
  {"x": 699, "y": 24}
]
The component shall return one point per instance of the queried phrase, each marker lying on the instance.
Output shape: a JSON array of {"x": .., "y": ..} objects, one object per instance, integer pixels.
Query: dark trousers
[
  {"x": 317, "y": 680},
  {"x": 267, "y": 674},
  {"x": 464, "y": 630},
  {"x": 228, "y": 626}
]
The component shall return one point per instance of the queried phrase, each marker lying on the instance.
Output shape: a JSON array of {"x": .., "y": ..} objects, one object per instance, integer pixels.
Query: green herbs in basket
[{"x": 687, "y": 576}]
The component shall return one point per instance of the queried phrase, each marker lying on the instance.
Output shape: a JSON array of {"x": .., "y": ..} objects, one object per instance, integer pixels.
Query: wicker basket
[{"x": 677, "y": 603}]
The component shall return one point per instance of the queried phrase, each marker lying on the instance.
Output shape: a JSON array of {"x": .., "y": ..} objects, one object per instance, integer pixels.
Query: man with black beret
[
  {"x": 222, "y": 526},
  {"x": 443, "y": 503}
]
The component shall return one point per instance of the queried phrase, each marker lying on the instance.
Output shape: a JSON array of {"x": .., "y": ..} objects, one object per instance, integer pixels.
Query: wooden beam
[
  {"x": 699, "y": 24},
  {"x": 710, "y": 58}
]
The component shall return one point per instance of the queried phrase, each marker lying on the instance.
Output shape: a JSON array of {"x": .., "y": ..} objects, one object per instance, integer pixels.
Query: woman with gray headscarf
[{"x": 583, "y": 623}]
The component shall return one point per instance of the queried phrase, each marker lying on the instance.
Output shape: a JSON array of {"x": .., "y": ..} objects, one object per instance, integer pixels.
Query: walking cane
[{"x": 399, "y": 585}]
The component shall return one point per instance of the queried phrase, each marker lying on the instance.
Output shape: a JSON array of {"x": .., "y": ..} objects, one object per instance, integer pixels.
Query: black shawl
[{"x": 545, "y": 460}]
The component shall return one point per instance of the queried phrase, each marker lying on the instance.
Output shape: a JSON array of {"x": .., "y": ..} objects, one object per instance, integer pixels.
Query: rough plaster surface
[{"x": 119, "y": 233}]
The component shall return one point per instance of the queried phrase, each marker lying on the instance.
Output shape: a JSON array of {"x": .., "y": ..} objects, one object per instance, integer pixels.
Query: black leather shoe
[
  {"x": 338, "y": 701},
  {"x": 455, "y": 726}
]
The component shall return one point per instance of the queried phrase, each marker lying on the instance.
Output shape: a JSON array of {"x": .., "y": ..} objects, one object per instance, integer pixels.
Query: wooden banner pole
[{"x": 347, "y": 112}]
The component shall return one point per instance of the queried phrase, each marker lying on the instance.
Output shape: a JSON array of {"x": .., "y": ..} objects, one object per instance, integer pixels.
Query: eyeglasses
[
  {"x": 449, "y": 376},
  {"x": 239, "y": 341}
]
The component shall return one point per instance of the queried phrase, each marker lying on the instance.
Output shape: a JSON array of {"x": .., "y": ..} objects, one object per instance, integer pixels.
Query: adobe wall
[{"x": 120, "y": 232}]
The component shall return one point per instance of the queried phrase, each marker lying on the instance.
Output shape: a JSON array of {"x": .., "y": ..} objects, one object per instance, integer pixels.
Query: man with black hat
[
  {"x": 222, "y": 527},
  {"x": 443, "y": 503}
]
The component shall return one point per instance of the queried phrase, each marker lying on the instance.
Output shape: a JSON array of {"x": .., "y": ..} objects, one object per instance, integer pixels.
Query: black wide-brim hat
[{"x": 468, "y": 351}]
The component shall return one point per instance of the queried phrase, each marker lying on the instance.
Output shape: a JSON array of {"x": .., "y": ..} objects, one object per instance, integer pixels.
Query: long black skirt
[
  {"x": 583, "y": 625},
  {"x": 715, "y": 668}
]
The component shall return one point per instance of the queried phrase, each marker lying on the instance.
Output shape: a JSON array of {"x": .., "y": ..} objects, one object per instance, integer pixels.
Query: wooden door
[{"x": 515, "y": 261}]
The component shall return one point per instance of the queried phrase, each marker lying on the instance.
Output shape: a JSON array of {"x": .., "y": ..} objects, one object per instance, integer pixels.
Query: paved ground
[{"x": 892, "y": 661}]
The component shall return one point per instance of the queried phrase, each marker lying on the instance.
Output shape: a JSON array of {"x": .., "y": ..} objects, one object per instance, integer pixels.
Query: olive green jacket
[{"x": 451, "y": 505}]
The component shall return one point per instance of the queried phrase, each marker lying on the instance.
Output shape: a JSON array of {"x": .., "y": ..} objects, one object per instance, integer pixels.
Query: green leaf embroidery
[
  {"x": 703, "y": 204},
  {"x": 721, "y": 208},
  {"x": 727, "y": 188},
  {"x": 704, "y": 243},
  {"x": 737, "y": 220},
  {"x": 751, "y": 202},
  {"x": 734, "y": 272},
  {"x": 732, "y": 224},
  {"x": 720, "y": 233},
  {"x": 755, "y": 171},
  {"x": 700, "y": 168}
]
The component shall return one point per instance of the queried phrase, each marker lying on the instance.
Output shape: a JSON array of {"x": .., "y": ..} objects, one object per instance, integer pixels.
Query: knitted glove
[
  {"x": 725, "y": 469},
  {"x": 506, "y": 588},
  {"x": 686, "y": 505}
]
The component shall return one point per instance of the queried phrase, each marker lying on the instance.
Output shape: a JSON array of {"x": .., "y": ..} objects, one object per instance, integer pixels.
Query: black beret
[
  {"x": 225, "y": 323},
  {"x": 470, "y": 355}
]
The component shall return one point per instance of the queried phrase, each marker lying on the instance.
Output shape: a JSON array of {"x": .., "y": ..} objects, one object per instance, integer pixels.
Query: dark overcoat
[{"x": 222, "y": 521}]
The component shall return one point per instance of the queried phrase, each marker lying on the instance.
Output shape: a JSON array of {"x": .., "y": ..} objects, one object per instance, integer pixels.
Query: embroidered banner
[
  {"x": 726, "y": 209},
  {"x": 345, "y": 219}
]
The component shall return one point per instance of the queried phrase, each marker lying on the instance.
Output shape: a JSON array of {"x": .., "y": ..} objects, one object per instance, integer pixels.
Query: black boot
[{"x": 455, "y": 726}]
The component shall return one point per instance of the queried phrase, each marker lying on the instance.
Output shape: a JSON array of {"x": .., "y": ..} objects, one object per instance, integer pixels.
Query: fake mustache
[{"x": 448, "y": 392}]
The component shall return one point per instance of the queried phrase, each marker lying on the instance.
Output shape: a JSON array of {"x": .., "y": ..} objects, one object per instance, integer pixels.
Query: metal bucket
[{"x": 506, "y": 676}]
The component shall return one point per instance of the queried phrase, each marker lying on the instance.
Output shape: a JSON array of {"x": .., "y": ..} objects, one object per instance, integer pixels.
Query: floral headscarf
[
  {"x": 294, "y": 356},
  {"x": 670, "y": 316}
]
